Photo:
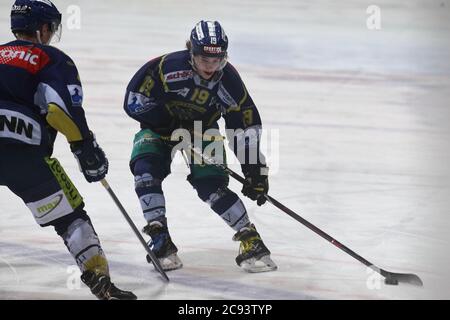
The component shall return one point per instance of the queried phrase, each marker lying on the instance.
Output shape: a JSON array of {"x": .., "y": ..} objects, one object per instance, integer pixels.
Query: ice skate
[
  {"x": 253, "y": 254},
  {"x": 102, "y": 287},
  {"x": 162, "y": 246}
]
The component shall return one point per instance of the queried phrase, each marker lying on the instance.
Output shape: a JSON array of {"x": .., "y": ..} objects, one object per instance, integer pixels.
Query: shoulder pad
[
  {"x": 175, "y": 67},
  {"x": 232, "y": 90}
]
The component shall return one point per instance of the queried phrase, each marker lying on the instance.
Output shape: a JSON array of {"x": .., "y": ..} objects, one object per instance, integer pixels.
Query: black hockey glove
[
  {"x": 91, "y": 158},
  {"x": 256, "y": 183}
]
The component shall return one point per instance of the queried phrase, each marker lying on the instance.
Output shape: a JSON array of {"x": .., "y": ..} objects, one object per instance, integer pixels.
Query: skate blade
[
  {"x": 264, "y": 264},
  {"x": 171, "y": 262}
]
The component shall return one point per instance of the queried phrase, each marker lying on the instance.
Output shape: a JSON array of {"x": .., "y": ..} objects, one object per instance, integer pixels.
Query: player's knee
[
  {"x": 146, "y": 183},
  {"x": 148, "y": 176},
  {"x": 62, "y": 224},
  {"x": 151, "y": 164},
  {"x": 214, "y": 191},
  {"x": 222, "y": 201}
]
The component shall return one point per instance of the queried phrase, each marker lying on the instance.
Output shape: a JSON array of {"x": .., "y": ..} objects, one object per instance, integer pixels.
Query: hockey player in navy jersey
[
  {"x": 193, "y": 89},
  {"x": 40, "y": 95}
]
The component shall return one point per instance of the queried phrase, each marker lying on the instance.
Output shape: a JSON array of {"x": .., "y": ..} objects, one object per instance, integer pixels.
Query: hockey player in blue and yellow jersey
[
  {"x": 192, "y": 89},
  {"x": 41, "y": 95}
]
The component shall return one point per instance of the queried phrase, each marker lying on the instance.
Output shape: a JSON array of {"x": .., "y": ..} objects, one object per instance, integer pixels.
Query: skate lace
[{"x": 158, "y": 241}]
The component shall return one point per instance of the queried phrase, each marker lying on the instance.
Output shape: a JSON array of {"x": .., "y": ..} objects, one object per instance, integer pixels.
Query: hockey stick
[
  {"x": 391, "y": 278},
  {"x": 136, "y": 231}
]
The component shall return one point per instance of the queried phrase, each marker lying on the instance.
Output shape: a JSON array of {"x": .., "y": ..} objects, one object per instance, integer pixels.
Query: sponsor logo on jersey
[
  {"x": 178, "y": 75},
  {"x": 50, "y": 206},
  {"x": 212, "y": 50},
  {"x": 17, "y": 126},
  {"x": 138, "y": 103},
  {"x": 31, "y": 59},
  {"x": 182, "y": 92},
  {"x": 71, "y": 195},
  {"x": 76, "y": 94},
  {"x": 21, "y": 55}
]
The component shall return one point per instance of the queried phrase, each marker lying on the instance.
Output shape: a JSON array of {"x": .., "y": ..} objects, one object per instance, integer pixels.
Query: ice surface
[{"x": 362, "y": 117}]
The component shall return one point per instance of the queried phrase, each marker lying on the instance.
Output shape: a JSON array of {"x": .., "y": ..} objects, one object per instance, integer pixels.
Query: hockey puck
[{"x": 391, "y": 281}]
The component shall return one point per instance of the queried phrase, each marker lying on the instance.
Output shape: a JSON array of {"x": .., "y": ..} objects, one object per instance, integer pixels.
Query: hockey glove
[
  {"x": 91, "y": 159},
  {"x": 256, "y": 183}
]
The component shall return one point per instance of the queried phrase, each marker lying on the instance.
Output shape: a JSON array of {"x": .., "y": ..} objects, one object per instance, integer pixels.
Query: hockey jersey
[
  {"x": 166, "y": 94},
  {"x": 40, "y": 94}
]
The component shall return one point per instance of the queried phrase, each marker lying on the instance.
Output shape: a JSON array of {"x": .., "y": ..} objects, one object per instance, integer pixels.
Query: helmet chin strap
[{"x": 38, "y": 36}]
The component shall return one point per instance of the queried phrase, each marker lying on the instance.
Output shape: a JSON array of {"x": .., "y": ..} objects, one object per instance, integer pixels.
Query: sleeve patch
[
  {"x": 76, "y": 94},
  {"x": 138, "y": 103}
]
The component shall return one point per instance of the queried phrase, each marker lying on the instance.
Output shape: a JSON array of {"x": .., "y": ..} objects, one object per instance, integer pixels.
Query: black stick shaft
[
  {"x": 296, "y": 216},
  {"x": 305, "y": 222}
]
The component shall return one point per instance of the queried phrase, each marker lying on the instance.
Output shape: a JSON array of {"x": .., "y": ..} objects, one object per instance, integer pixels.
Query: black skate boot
[
  {"x": 162, "y": 246},
  {"x": 253, "y": 254},
  {"x": 102, "y": 287}
]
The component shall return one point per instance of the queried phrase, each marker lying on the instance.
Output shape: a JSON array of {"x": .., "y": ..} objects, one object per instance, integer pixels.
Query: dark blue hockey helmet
[
  {"x": 30, "y": 15},
  {"x": 209, "y": 39}
]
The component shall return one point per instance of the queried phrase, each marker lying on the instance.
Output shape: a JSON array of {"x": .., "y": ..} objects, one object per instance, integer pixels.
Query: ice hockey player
[
  {"x": 180, "y": 90},
  {"x": 40, "y": 95}
]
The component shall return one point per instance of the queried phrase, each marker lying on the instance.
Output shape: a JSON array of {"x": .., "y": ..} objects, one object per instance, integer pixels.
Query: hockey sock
[
  {"x": 229, "y": 207},
  {"x": 151, "y": 197},
  {"x": 84, "y": 245}
]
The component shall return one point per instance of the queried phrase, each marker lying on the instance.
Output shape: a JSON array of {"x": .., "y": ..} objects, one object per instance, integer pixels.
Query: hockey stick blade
[
  {"x": 151, "y": 258},
  {"x": 407, "y": 278}
]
